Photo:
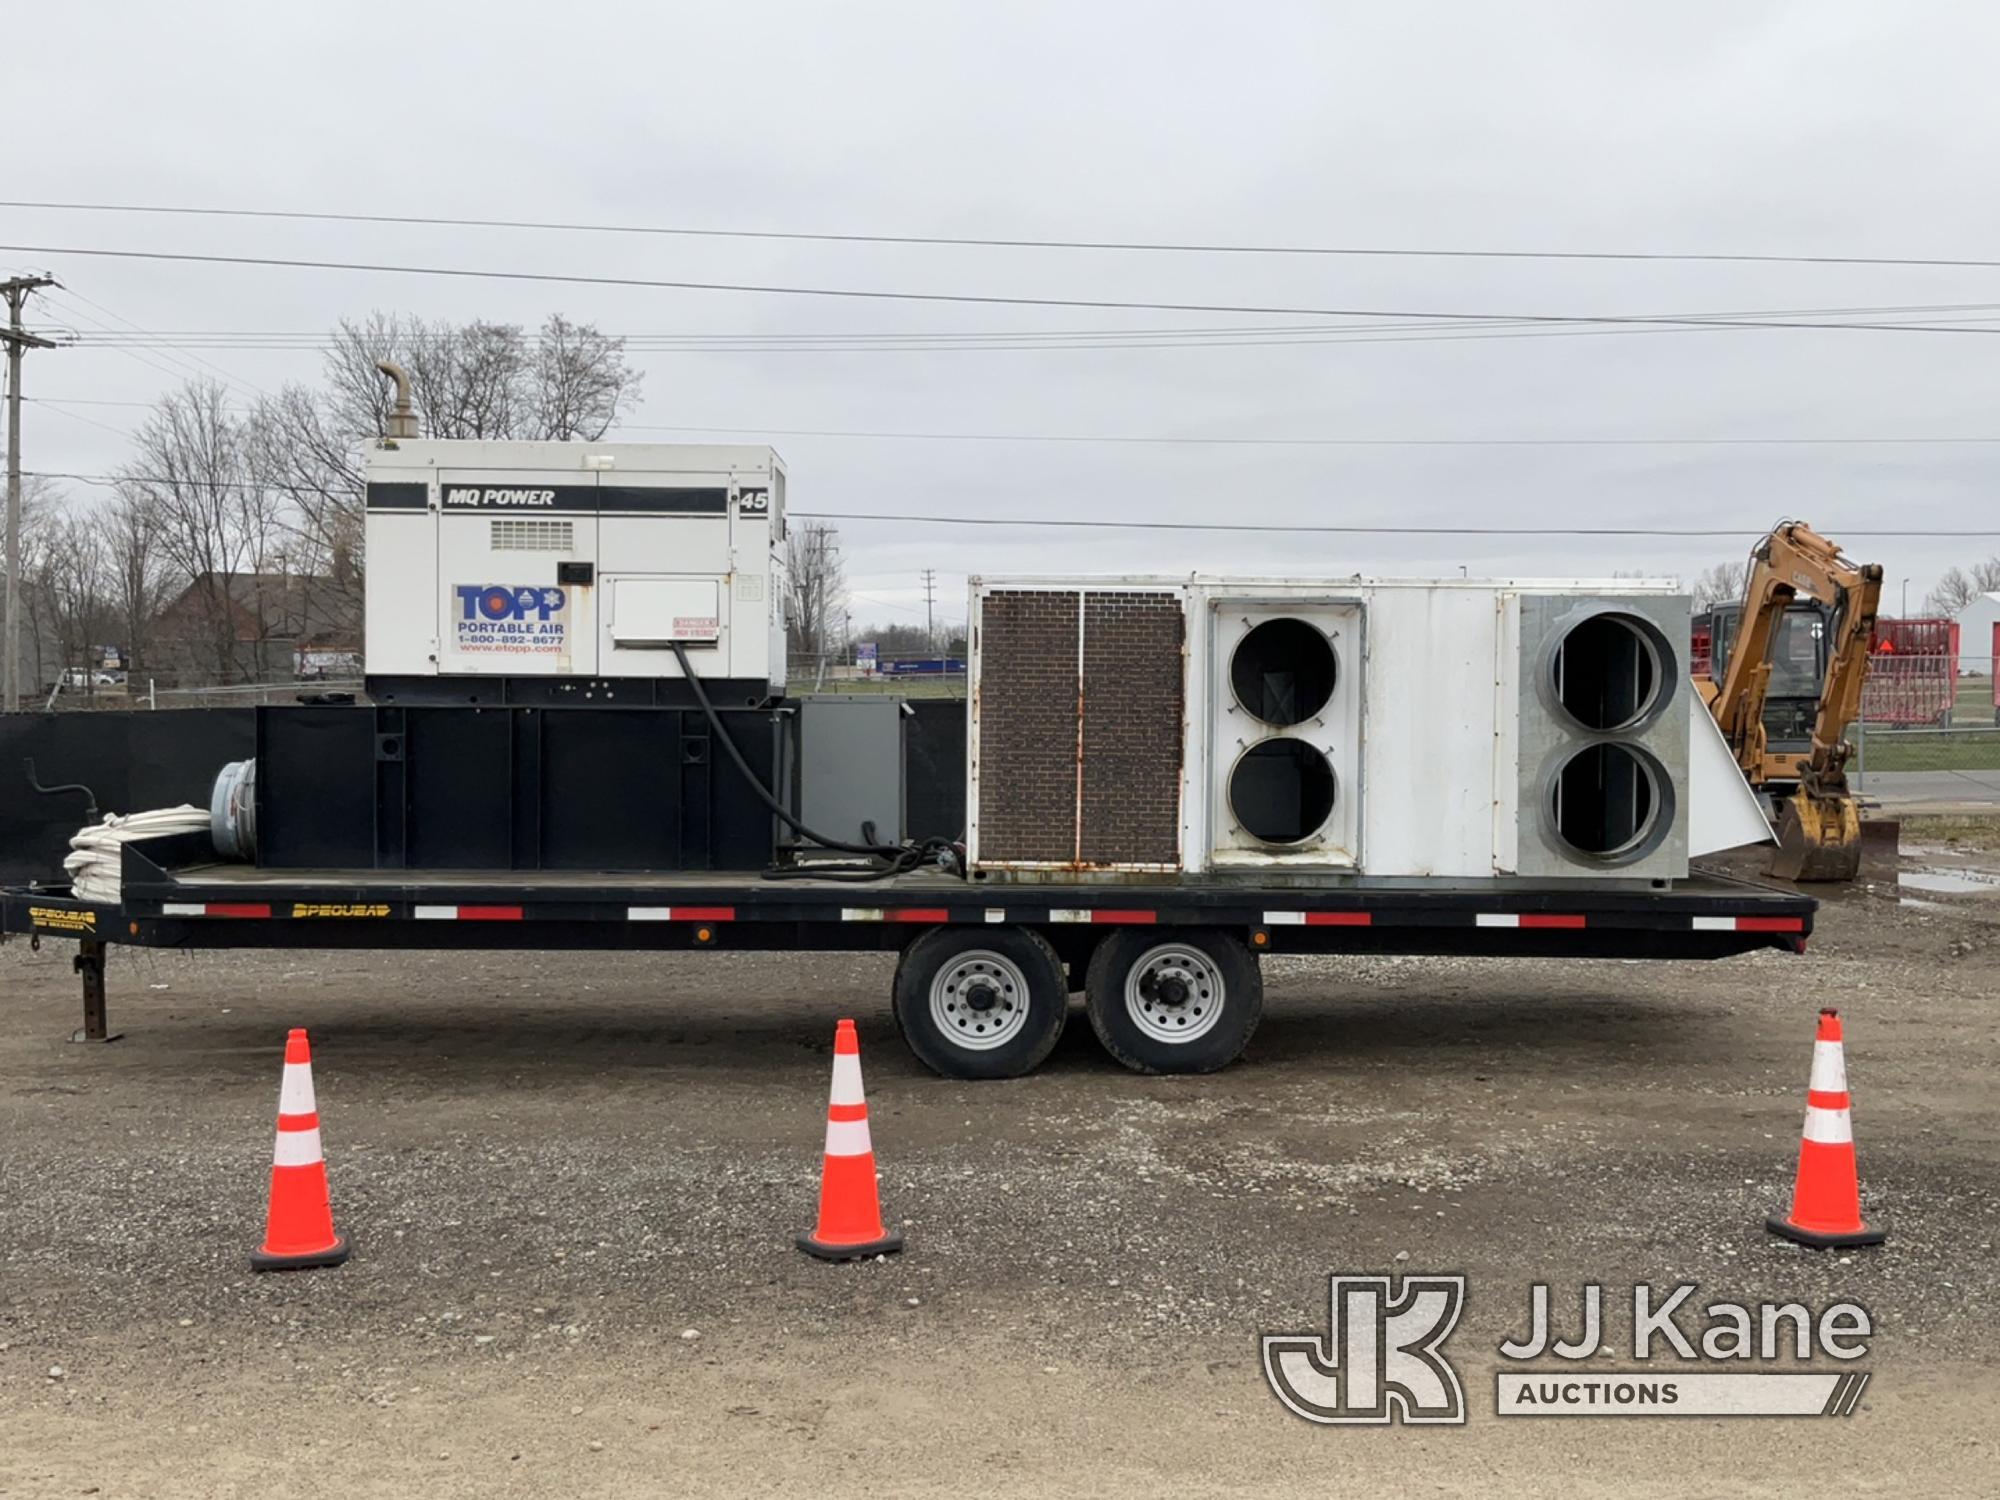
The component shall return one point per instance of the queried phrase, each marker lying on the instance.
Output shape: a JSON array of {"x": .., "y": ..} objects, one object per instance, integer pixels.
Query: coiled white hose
[{"x": 95, "y": 853}]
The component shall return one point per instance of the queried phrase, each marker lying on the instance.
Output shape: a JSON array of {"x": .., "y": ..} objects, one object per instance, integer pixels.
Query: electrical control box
[{"x": 553, "y": 572}]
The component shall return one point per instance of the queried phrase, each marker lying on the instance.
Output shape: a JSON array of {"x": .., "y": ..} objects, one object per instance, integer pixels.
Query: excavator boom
[{"x": 1819, "y": 822}]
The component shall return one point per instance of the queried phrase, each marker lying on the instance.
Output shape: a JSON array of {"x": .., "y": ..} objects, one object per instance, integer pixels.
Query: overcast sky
[{"x": 1794, "y": 129}]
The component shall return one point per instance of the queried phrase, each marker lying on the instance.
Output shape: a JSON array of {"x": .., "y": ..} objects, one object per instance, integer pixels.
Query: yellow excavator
[{"x": 1818, "y": 818}]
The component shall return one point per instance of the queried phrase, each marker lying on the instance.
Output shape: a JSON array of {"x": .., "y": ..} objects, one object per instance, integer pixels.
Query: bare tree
[
  {"x": 40, "y": 505},
  {"x": 1952, "y": 593},
  {"x": 815, "y": 591},
  {"x": 305, "y": 448},
  {"x": 70, "y": 576},
  {"x": 1723, "y": 583},
  {"x": 481, "y": 380},
  {"x": 580, "y": 381},
  {"x": 136, "y": 573},
  {"x": 217, "y": 521}
]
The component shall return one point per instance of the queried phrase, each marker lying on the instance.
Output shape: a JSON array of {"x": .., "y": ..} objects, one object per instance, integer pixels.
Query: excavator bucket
[{"x": 1819, "y": 838}]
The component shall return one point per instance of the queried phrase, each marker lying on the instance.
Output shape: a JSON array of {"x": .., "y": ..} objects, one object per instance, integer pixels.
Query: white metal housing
[
  {"x": 574, "y": 560},
  {"x": 1442, "y": 738}
]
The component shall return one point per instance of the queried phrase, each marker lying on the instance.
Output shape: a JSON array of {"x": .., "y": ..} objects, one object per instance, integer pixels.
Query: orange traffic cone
[
  {"x": 850, "y": 1209},
  {"x": 1826, "y": 1200},
  {"x": 298, "y": 1229}
]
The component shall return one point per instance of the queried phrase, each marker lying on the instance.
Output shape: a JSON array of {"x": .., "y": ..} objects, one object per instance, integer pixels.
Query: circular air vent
[
  {"x": 1283, "y": 671},
  {"x": 1281, "y": 791},
  {"x": 1611, "y": 672},
  {"x": 1610, "y": 802}
]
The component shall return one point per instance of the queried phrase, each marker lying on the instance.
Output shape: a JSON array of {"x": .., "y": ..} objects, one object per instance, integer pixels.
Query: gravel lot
[{"x": 572, "y": 1183}]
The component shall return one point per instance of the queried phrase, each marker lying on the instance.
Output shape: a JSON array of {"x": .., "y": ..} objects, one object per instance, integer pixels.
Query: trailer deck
[{"x": 175, "y": 896}]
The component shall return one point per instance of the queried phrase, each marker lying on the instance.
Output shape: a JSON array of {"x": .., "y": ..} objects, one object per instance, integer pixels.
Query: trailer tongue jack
[{"x": 89, "y": 963}]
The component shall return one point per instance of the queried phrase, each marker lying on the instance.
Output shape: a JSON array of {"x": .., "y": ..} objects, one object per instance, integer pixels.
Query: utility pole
[
  {"x": 930, "y": 592},
  {"x": 18, "y": 341}
]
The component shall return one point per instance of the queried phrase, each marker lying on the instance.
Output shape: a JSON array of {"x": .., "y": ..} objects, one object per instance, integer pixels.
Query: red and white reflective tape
[
  {"x": 1528, "y": 919},
  {"x": 1319, "y": 919},
  {"x": 1828, "y": 1119},
  {"x": 1104, "y": 916},
  {"x": 680, "y": 914},
  {"x": 847, "y": 1104},
  {"x": 1748, "y": 924},
  {"x": 467, "y": 913},
  {"x": 298, "y": 1112},
  {"x": 215, "y": 909},
  {"x": 894, "y": 914}
]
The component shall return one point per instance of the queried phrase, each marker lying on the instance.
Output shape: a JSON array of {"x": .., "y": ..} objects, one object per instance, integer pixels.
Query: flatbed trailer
[{"x": 1169, "y": 969}]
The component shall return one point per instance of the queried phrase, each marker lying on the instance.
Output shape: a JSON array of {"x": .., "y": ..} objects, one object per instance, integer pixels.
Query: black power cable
[{"x": 896, "y": 859}]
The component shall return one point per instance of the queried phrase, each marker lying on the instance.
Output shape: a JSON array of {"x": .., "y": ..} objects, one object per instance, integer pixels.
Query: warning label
[{"x": 510, "y": 620}]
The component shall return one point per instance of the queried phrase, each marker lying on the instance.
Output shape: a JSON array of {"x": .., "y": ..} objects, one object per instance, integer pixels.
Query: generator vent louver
[
  {"x": 516, "y": 535},
  {"x": 1604, "y": 737}
]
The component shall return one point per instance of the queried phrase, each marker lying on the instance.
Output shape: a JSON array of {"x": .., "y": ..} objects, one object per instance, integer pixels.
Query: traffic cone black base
[
  {"x": 260, "y": 1261},
  {"x": 1867, "y": 1234},
  {"x": 889, "y": 1244}
]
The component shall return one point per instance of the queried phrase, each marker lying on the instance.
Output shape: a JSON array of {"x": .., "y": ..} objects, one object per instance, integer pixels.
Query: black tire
[
  {"x": 1203, "y": 1026},
  {"x": 1007, "y": 974}
]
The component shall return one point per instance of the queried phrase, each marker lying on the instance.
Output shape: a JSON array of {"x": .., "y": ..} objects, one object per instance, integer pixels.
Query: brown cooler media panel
[{"x": 1081, "y": 712}]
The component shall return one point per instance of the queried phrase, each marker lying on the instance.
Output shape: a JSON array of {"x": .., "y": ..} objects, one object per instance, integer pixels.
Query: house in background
[{"x": 255, "y": 627}]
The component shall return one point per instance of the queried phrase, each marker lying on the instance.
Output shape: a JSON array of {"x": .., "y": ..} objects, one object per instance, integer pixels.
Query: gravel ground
[{"x": 572, "y": 1182}]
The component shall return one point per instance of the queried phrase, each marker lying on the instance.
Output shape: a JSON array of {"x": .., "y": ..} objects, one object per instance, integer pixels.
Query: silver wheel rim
[
  {"x": 1174, "y": 993},
  {"x": 980, "y": 1000}
]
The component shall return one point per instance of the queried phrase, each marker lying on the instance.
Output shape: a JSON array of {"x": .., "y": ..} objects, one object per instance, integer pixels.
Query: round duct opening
[
  {"x": 1611, "y": 672},
  {"x": 1611, "y": 803},
  {"x": 1281, "y": 791},
  {"x": 1283, "y": 671}
]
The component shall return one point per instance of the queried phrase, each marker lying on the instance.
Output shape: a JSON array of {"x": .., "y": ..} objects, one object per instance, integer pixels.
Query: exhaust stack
[{"x": 403, "y": 416}]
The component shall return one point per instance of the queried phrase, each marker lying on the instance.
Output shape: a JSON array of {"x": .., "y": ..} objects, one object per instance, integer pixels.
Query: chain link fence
[
  {"x": 145, "y": 696},
  {"x": 928, "y": 678},
  {"x": 1926, "y": 713}
]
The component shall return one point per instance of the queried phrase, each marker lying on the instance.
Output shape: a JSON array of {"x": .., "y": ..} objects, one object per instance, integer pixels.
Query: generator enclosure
[
  {"x": 1390, "y": 729},
  {"x": 554, "y": 572}
]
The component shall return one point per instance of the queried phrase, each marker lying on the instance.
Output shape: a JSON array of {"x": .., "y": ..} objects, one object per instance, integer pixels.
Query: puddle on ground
[
  {"x": 1950, "y": 882},
  {"x": 1918, "y": 903}
]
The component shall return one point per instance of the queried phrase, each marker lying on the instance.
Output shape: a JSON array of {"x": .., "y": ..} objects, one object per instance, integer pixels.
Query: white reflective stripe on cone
[
  {"x": 1829, "y": 1069},
  {"x": 1829, "y": 1127},
  {"x": 847, "y": 1138},
  {"x": 297, "y": 1148},
  {"x": 846, "y": 1078},
  {"x": 295, "y": 1092}
]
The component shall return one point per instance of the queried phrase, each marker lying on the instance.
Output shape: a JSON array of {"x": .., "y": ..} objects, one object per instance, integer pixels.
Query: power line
[
  {"x": 1394, "y": 529},
  {"x": 982, "y": 299},
  {"x": 227, "y": 377},
  {"x": 1316, "y": 442},
  {"x": 265, "y": 338},
  {"x": 1397, "y": 529},
  {"x": 1008, "y": 243}
]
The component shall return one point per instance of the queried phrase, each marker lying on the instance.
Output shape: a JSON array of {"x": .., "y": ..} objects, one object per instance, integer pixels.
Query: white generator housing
[
  {"x": 574, "y": 560},
  {"x": 1387, "y": 728}
]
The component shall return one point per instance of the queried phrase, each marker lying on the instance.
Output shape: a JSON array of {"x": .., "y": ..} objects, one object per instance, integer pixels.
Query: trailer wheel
[
  {"x": 1179, "y": 1004},
  {"x": 988, "y": 1002}
]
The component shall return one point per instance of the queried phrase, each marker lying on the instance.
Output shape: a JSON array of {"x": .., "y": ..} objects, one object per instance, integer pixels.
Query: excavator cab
[{"x": 1798, "y": 668}]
